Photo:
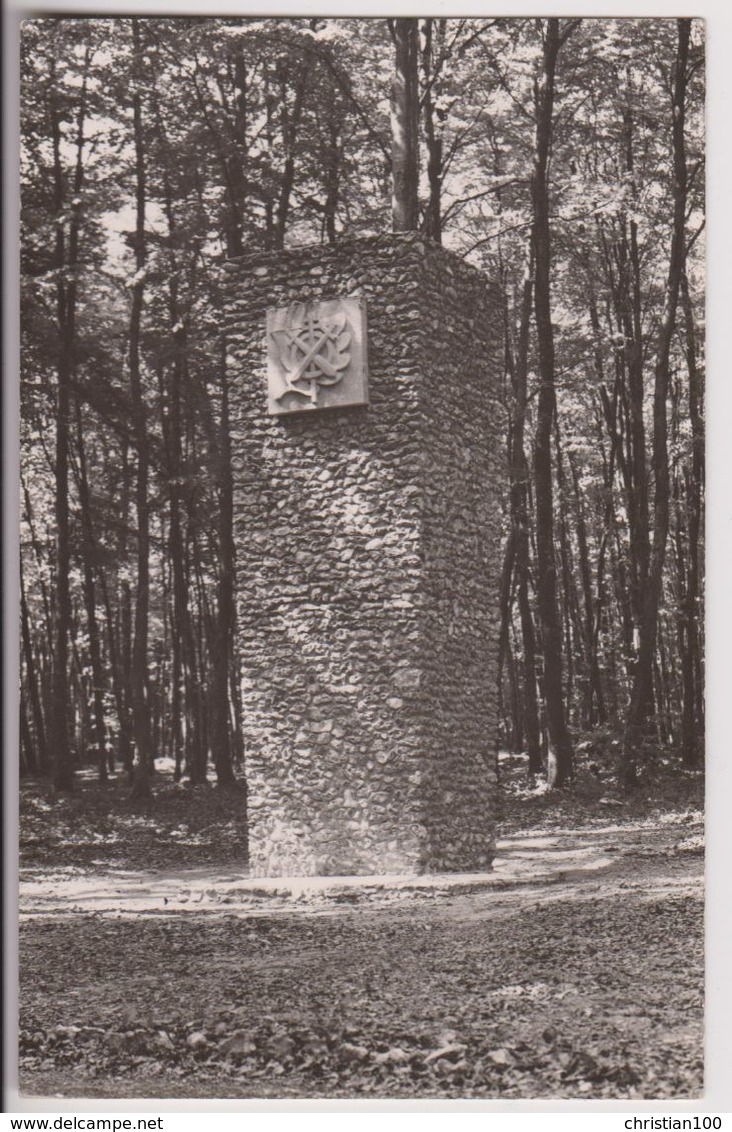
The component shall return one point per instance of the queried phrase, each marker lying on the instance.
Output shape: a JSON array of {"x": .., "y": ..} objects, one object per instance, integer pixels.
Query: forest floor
[{"x": 150, "y": 967}]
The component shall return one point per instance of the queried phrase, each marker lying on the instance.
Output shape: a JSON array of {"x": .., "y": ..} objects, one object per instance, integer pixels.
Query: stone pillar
[{"x": 368, "y": 559}]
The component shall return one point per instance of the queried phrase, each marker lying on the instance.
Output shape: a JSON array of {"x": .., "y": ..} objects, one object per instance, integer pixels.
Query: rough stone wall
[
  {"x": 368, "y": 558},
  {"x": 461, "y": 534}
]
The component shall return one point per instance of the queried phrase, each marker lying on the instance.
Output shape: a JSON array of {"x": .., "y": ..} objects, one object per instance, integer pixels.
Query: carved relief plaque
[{"x": 316, "y": 356}]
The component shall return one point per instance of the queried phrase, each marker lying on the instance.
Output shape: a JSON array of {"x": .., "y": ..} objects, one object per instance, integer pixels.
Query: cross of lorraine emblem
[{"x": 316, "y": 356}]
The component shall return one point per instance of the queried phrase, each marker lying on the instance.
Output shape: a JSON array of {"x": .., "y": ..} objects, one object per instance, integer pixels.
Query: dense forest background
[{"x": 562, "y": 157}]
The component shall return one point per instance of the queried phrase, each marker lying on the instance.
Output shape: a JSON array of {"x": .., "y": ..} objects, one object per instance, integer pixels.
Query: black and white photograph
[{"x": 362, "y": 558}]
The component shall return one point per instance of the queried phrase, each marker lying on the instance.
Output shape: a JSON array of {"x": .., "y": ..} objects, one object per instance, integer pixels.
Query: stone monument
[{"x": 366, "y": 436}]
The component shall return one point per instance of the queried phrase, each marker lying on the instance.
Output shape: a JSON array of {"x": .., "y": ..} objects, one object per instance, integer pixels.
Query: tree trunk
[
  {"x": 332, "y": 172},
  {"x": 98, "y": 729},
  {"x": 237, "y": 712},
  {"x": 574, "y": 644},
  {"x": 519, "y": 506},
  {"x": 234, "y": 161},
  {"x": 39, "y": 560},
  {"x": 37, "y": 740},
  {"x": 66, "y": 263},
  {"x": 289, "y": 124},
  {"x": 186, "y": 685},
  {"x": 505, "y": 604},
  {"x": 193, "y": 654},
  {"x": 642, "y": 689},
  {"x": 561, "y": 755},
  {"x": 117, "y": 670},
  {"x": 28, "y": 761},
  {"x": 595, "y": 707},
  {"x": 432, "y": 133},
  {"x": 124, "y": 632},
  {"x": 692, "y": 725},
  {"x": 140, "y": 689},
  {"x": 405, "y": 125}
]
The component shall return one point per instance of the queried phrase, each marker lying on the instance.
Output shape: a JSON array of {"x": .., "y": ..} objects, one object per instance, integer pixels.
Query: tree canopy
[{"x": 564, "y": 157}]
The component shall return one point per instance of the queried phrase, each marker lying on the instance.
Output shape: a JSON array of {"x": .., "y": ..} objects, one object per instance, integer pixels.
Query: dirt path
[
  {"x": 594, "y": 861},
  {"x": 574, "y": 969}
]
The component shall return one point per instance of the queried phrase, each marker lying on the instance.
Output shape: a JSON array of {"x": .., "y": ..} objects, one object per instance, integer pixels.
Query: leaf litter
[{"x": 583, "y": 989}]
